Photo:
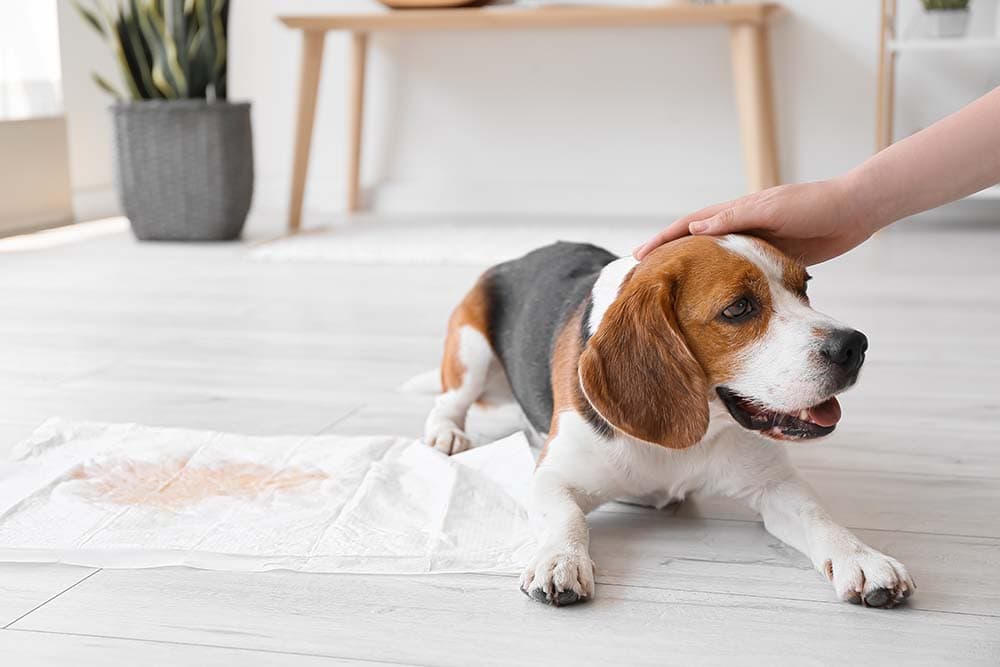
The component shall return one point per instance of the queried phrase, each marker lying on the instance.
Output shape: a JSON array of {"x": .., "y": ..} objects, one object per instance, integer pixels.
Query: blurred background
[{"x": 575, "y": 121}]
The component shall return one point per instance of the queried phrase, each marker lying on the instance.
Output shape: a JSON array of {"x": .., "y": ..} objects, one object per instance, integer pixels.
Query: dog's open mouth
[{"x": 812, "y": 422}]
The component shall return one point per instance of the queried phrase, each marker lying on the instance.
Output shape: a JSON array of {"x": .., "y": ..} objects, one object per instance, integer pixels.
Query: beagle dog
[{"x": 649, "y": 380}]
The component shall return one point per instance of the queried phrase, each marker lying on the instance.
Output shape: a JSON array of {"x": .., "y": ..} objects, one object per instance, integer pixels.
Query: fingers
[
  {"x": 674, "y": 231},
  {"x": 726, "y": 221},
  {"x": 707, "y": 212},
  {"x": 681, "y": 227}
]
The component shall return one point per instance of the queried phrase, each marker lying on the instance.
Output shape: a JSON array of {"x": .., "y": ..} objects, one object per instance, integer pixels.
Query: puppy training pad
[{"x": 129, "y": 496}]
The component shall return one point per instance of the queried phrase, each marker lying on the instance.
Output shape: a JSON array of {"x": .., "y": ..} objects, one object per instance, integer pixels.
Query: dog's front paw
[
  {"x": 864, "y": 576},
  {"x": 447, "y": 437},
  {"x": 559, "y": 576}
]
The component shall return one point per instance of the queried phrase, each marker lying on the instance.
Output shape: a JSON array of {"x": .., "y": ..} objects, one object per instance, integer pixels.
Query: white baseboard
[
  {"x": 95, "y": 203},
  {"x": 325, "y": 200},
  {"x": 34, "y": 224},
  {"x": 970, "y": 211},
  {"x": 625, "y": 199}
]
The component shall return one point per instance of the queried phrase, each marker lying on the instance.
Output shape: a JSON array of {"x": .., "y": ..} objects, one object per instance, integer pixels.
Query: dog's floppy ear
[{"x": 638, "y": 373}]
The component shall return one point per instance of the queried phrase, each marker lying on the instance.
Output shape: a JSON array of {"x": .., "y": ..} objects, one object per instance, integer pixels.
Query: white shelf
[{"x": 945, "y": 44}]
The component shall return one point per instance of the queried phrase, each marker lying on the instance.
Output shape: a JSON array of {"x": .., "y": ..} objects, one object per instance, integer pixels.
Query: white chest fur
[{"x": 648, "y": 474}]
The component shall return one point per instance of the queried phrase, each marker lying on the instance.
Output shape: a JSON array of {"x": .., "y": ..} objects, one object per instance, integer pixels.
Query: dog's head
[{"x": 726, "y": 317}]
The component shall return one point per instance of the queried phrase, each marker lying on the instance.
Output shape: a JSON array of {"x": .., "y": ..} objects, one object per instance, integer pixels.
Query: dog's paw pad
[
  {"x": 559, "y": 578},
  {"x": 566, "y": 597},
  {"x": 865, "y": 576},
  {"x": 879, "y": 597}
]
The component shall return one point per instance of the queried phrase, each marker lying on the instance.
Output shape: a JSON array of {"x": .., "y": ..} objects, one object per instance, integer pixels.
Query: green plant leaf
[
  {"x": 152, "y": 31},
  {"x": 122, "y": 55},
  {"x": 932, "y": 5},
  {"x": 220, "y": 12},
  {"x": 137, "y": 53},
  {"x": 212, "y": 47},
  {"x": 170, "y": 62},
  {"x": 91, "y": 18},
  {"x": 206, "y": 49},
  {"x": 175, "y": 39},
  {"x": 220, "y": 86},
  {"x": 106, "y": 86},
  {"x": 199, "y": 64},
  {"x": 165, "y": 48}
]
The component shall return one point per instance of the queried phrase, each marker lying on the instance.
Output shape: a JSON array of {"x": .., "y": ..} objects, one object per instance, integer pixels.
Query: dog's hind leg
[
  {"x": 470, "y": 371},
  {"x": 468, "y": 363}
]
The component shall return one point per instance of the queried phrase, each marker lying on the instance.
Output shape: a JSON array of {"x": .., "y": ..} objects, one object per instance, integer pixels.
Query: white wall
[
  {"x": 86, "y": 110},
  {"x": 627, "y": 120},
  {"x": 933, "y": 84}
]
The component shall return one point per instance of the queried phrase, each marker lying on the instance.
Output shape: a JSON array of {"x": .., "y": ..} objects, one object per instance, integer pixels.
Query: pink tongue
[{"x": 826, "y": 413}]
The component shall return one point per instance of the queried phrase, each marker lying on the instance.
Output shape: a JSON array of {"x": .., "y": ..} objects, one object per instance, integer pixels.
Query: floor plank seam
[
  {"x": 350, "y": 413},
  {"x": 904, "y": 607},
  {"x": 755, "y": 596},
  {"x": 895, "y": 472},
  {"x": 167, "y": 642},
  {"x": 601, "y": 582},
  {"x": 850, "y": 527},
  {"x": 39, "y": 606},
  {"x": 62, "y": 380}
]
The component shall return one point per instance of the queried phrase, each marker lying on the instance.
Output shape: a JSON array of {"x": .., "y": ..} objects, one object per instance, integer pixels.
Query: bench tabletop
[{"x": 558, "y": 16}]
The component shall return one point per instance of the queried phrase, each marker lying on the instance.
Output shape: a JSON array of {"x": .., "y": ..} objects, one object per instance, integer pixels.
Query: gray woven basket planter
[{"x": 184, "y": 168}]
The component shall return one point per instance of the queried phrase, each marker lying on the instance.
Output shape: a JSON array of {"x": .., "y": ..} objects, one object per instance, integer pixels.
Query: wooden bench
[{"x": 748, "y": 25}]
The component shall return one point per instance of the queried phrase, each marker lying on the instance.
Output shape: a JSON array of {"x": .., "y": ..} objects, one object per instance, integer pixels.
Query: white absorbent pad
[{"x": 124, "y": 495}]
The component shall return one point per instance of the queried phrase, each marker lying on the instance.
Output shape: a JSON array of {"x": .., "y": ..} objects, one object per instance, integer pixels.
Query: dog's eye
[{"x": 738, "y": 309}]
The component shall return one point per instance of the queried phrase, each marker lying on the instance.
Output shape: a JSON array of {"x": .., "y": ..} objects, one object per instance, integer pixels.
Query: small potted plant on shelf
[
  {"x": 183, "y": 153},
  {"x": 946, "y": 18}
]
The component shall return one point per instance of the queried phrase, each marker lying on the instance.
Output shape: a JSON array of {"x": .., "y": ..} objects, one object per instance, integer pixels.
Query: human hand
[{"x": 812, "y": 222}]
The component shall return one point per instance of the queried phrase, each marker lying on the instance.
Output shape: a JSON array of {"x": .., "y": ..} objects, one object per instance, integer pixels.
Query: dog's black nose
[{"x": 845, "y": 348}]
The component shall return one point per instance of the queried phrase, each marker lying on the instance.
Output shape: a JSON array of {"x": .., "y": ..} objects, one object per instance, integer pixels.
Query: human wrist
[{"x": 864, "y": 205}]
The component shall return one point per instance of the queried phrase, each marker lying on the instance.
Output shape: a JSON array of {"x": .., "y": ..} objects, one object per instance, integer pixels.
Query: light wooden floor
[{"x": 202, "y": 337}]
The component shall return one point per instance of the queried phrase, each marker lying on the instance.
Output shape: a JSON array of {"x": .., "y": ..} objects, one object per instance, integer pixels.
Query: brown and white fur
[{"x": 638, "y": 372}]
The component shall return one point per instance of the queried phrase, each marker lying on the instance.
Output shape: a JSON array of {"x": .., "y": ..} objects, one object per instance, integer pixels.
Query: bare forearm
[
  {"x": 949, "y": 160},
  {"x": 816, "y": 221}
]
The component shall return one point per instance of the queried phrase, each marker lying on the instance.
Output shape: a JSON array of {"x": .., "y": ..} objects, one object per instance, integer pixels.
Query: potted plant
[
  {"x": 183, "y": 153},
  {"x": 947, "y": 18}
]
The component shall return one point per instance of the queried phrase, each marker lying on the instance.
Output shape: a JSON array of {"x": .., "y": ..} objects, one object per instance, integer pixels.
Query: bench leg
[
  {"x": 355, "y": 117},
  {"x": 886, "y": 77},
  {"x": 752, "y": 80},
  {"x": 312, "y": 62},
  {"x": 886, "y": 99}
]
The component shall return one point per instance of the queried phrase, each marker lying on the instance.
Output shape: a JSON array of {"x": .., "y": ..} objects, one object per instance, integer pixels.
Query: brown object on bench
[
  {"x": 430, "y": 4},
  {"x": 748, "y": 27}
]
